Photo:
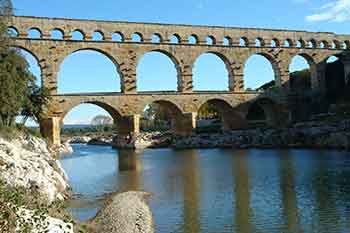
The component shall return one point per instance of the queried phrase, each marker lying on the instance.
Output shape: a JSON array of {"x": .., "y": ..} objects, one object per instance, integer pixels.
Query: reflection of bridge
[{"x": 233, "y": 45}]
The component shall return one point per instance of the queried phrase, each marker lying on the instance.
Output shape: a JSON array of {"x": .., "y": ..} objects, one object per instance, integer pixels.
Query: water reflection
[
  {"x": 289, "y": 198},
  {"x": 204, "y": 191}
]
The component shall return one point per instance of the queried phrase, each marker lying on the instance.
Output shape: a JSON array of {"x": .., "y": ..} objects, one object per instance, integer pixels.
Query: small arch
[
  {"x": 312, "y": 43},
  {"x": 346, "y": 44},
  {"x": 12, "y": 31},
  {"x": 216, "y": 114},
  {"x": 227, "y": 41},
  {"x": 136, "y": 37},
  {"x": 34, "y": 33},
  {"x": 210, "y": 40},
  {"x": 336, "y": 44},
  {"x": 288, "y": 43},
  {"x": 117, "y": 37},
  {"x": 275, "y": 43},
  {"x": 193, "y": 39},
  {"x": 243, "y": 42},
  {"x": 78, "y": 35},
  {"x": 324, "y": 45},
  {"x": 97, "y": 36},
  {"x": 300, "y": 43},
  {"x": 156, "y": 38},
  {"x": 259, "y": 42},
  {"x": 57, "y": 34},
  {"x": 175, "y": 39}
]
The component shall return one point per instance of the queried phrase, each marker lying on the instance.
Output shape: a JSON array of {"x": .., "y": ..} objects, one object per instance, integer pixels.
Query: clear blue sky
[{"x": 90, "y": 71}]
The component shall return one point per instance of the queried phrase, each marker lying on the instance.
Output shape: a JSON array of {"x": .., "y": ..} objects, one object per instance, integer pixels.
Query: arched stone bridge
[{"x": 183, "y": 44}]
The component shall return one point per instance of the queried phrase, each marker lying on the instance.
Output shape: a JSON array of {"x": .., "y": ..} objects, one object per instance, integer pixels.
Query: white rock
[
  {"x": 47, "y": 224},
  {"x": 28, "y": 163}
]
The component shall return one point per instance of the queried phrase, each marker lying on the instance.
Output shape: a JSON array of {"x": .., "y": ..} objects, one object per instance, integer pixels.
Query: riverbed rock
[
  {"x": 27, "y": 162},
  {"x": 100, "y": 141},
  {"x": 126, "y": 213},
  {"x": 80, "y": 140},
  {"x": 66, "y": 149}
]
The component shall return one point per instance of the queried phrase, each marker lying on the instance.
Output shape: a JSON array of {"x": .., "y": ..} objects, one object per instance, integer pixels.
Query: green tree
[{"x": 19, "y": 93}]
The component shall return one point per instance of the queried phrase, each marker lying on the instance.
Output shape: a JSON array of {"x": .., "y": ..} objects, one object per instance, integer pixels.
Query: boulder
[{"x": 126, "y": 213}]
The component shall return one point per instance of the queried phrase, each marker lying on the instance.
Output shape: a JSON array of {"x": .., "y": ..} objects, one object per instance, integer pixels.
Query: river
[{"x": 219, "y": 190}]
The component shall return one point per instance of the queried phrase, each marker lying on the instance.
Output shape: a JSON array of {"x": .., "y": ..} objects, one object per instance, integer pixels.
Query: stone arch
[
  {"x": 226, "y": 62},
  {"x": 300, "y": 43},
  {"x": 227, "y": 41},
  {"x": 336, "y": 44},
  {"x": 156, "y": 38},
  {"x": 288, "y": 43},
  {"x": 98, "y": 35},
  {"x": 172, "y": 58},
  {"x": 175, "y": 39},
  {"x": 30, "y": 52},
  {"x": 113, "y": 111},
  {"x": 118, "y": 36},
  {"x": 173, "y": 113},
  {"x": 275, "y": 114},
  {"x": 35, "y": 29},
  {"x": 107, "y": 55},
  {"x": 230, "y": 118},
  {"x": 59, "y": 30},
  {"x": 210, "y": 40},
  {"x": 137, "y": 37},
  {"x": 274, "y": 65},
  {"x": 78, "y": 31},
  {"x": 259, "y": 42},
  {"x": 275, "y": 43},
  {"x": 243, "y": 42},
  {"x": 13, "y": 31},
  {"x": 312, "y": 43},
  {"x": 193, "y": 39}
]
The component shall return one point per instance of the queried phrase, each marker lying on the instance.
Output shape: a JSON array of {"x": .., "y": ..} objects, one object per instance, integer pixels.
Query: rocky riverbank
[
  {"x": 27, "y": 163},
  {"x": 302, "y": 135}
]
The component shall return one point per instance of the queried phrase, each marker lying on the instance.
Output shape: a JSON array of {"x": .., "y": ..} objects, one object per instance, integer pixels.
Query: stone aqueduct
[{"x": 233, "y": 45}]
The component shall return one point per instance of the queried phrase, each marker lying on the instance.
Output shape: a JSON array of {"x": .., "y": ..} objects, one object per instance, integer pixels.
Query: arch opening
[
  {"x": 210, "y": 40},
  {"x": 263, "y": 112},
  {"x": 275, "y": 43},
  {"x": 161, "y": 116},
  {"x": 160, "y": 68},
  {"x": 136, "y": 37},
  {"x": 211, "y": 73},
  {"x": 156, "y": 38},
  {"x": 337, "y": 85},
  {"x": 97, "y": 36},
  {"x": 12, "y": 31},
  {"x": 260, "y": 73},
  {"x": 216, "y": 115},
  {"x": 243, "y": 42},
  {"x": 78, "y": 35},
  {"x": 117, "y": 37},
  {"x": 90, "y": 117},
  {"x": 34, "y": 33},
  {"x": 227, "y": 41},
  {"x": 57, "y": 34},
  {"x": 259, "y": 42},
  {"x": 88, "y": 71},
  {"x": 300, "y": 73},
  {"x": 175, "y": 39},
  {"x": 193, "y": 39}
]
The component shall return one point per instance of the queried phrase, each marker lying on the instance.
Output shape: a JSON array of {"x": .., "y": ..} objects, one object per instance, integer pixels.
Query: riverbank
[{"x": 318, "y": 135}]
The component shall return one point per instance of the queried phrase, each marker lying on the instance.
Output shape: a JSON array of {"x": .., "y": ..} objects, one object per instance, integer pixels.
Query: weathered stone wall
[{"x": 278, "y": 46}]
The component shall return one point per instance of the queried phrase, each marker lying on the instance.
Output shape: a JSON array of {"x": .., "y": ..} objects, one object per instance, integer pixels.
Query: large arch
[
  {"x": 158, "y": 70},
  {"x": 211, "y": 71},
  {"x": 274, "y": 114},
  {"x": 230, "y": 118},
  {"x": 336, "y": 84},
  {"x": 170, "y": 114},
  {"x": 301, "y": 70},
  {"x": 82, "y": 70},
  {"x": 261, "y": 72}
]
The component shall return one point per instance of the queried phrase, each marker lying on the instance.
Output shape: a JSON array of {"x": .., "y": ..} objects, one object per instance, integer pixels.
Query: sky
[{"x": 93, "y": 72}]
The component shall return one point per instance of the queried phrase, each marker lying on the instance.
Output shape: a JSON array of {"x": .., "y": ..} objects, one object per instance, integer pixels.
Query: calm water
[{"x": 218, "y": 190}]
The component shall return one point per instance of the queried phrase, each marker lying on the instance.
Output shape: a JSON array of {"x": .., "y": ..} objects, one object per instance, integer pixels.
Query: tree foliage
[{"x": 19, "y": 93}]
